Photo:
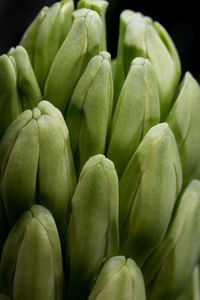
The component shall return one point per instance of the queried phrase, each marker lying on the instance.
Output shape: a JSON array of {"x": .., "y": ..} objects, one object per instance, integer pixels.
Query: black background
[{"x": 181, "y": 22}]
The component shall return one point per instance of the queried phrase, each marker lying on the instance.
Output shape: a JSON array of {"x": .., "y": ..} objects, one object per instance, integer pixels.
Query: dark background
[{"x": 181, "y": 22}]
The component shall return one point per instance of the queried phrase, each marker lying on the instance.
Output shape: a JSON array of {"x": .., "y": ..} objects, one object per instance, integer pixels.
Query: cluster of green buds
[{"x": 99, "y": 161}]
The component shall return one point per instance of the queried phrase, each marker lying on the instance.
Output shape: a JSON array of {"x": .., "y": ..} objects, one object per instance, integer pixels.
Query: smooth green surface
[
  {"x": 31, "y": 264},
  {"x": 89, "y": 113},
  {"x": 168, "y": 269},
  {"x": 93, "y": 229},
  {"x": 137, "y": 110},
  {"x": 119, "y": 279},
  {"x": 82, "y": 43},
  {"x": 148, "y": 190}
]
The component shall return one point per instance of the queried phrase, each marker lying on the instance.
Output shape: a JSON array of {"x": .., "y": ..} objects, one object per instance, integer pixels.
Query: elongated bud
[
  {"x": 29, "y": 38},
  {"x": 140, "y": 36},
  {"x": 184, "y": 121},
  {"x": 37, "y": 164},
  {"x": 138, "y": 109},
  {"x": 93, "y": 228},
  {"x": 50, "y": 29},
  {"x": 120, "y": 278},
  {"x": 121, "y": 69},
  {"x": 10, "y": 106},
  {"x": 100, "y": 6},
  {"x": 27, "y": 86},
  {"x": 148, "y": 190},
  {"x": 18, "y": 86},
  {"x": 82, "y": 43},
  {"x": 89, "y": 111},
  {"x": 173, "y": 261},
  {"x": 31, "y": 263},
  {"x": 192, "y": 290}
]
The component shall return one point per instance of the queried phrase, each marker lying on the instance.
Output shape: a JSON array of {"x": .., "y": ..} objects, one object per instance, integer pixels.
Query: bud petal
[
  {"x": 175, "y": 258},
  {"x": 22, "y": 274},
  {"x": 82, "y": 42},
  {"x": 100, "y": 6},
  {"x": 184, "y": 121},
  {"x": 90, "y": 109},
  {"x": 148, "y": 189},
  {"x": 119, "y": 279},
  {"x": 37, "y": 164},
  {"x": 93, "y": 227},
  {"x": 138, "y": 109}
]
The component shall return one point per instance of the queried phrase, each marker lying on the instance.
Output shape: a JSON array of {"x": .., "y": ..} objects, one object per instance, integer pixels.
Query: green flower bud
[
  {"x": 119, "y": 279},
  {"x": 184, "y": 121},
  {"x": 27, "y": 86},
  {"x": 82, "y": 43},
  {"x": 37, "y": 164},
  {"x": 138, "y": 109},
  {"x": 89, "y": 111},
  {"x": 93, "y": 228},
  {"x": 29, "y": 38},
  {"x": 45, "y": 35},
  {"x": 31, "y": 263},
  {"x": 19, "y": 89},
  {"x": 168, "y": 269},
  {"x": 147, "y": 192},
  {"x": 192, "y": 290},
  {"x": 140, "y": 36},
  {"x": 100, "y": 6}
]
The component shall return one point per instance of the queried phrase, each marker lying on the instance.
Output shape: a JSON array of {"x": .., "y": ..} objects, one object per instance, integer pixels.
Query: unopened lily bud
[
  {"x": 93, "y": 93},
  {"x": 18, "y": 86},
  {"x": 37, "y": 164},
  {"x": 100, "y": 6},
  {"x": 119, "y": 279},
  {"x": 45, "y": 35},
  {"x": 184, "y": 121},
  {"x": 31, "y": 263},
  {"x": 140, "y": 36},
  {"x": 93, "y": 229},
  {"x": 168, "y": 269},
  {"x": 148, "y": 190},
  {"x": 27, "y": 86},
  {"x": 81, "y": 44},
  {"x": 138, "y": 109}
]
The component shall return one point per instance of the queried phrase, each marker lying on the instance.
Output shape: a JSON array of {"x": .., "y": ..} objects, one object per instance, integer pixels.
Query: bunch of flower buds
[{"x": 99, "y": 161}]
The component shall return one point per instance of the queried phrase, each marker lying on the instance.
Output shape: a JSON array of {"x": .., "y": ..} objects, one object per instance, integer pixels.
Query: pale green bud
[
  {"x": 148, "y": 190},
  {"x": 27, "y": 86},
  {"x": 140, "y": 36},
  {"x": 138, "y": 109},
  {"x": 29, "y": 38},
  {"x": 18, "y": 86},
  {"x": 31, "y": 264},
  {"x": 45, "y": 35},
  {"x": 168, "y": 269},
  {"x": 100, "y": 6},
  {"x": 184, "y": 121},
  {"x": 93, "y": 229},
  {"x": 82, "y": 43},
  {"x": 90, "y": 108},
  {"x": 37, "y": 164},
  {"x": 119, "y": 279}
]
